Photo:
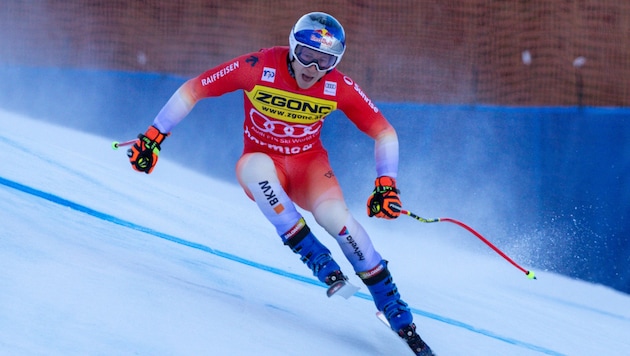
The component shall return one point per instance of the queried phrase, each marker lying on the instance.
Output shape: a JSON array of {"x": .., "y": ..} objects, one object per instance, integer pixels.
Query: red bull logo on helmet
[{"x": 323, "y": 36}]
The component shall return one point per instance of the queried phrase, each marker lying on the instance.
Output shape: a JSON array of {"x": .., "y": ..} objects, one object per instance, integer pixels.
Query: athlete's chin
[{"x": 306, "y": 81}]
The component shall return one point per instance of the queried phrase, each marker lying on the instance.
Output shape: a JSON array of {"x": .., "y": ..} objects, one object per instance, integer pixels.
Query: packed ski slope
[{"x": 96, "y": 259}]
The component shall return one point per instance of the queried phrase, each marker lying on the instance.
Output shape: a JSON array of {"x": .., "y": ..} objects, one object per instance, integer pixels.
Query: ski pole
[
  {"x": 116, "y": 144},
  {"x": 530, "y": 274}
]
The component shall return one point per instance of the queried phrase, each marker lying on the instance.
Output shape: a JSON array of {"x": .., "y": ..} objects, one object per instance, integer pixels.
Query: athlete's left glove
[
  {"x": 143, "y": 155},
  {"x": 384, "y": 201}
]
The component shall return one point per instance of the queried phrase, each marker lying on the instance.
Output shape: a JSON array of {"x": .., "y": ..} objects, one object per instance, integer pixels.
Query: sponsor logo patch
[
  {"x": 350, "y": 240},
  {"x": 330, "y": 88},
  {"x": 271, "y": 197},
  {"x": 268, "y": 75},
  {"x": 220, "y": 73},
  {"x": 289, "y": 107}
]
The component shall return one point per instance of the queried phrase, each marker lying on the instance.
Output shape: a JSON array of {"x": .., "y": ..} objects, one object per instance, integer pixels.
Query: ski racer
[{"x": 288, "y": 92}]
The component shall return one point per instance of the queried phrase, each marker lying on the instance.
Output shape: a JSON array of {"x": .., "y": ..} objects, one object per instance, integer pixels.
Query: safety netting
[{"x": 498, "y": 52}]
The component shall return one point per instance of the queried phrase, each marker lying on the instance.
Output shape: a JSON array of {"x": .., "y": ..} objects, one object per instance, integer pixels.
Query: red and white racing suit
[{"x": 283, "y": 161}]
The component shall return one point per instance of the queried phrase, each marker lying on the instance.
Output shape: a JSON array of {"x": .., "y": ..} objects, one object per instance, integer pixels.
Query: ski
[
  {"x": 383, "y": 319},
  {"x": 425, "y": 352},
  {"x": 342, "y": 288}
]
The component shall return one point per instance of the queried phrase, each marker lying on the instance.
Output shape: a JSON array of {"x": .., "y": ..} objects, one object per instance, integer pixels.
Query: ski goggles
[{"x": 322, "y": 61}]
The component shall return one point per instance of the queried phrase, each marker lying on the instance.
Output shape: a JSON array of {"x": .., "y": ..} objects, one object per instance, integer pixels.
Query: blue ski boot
[
  {"x": 387, "y": 299},
  {"x": 315, "y": 255}
]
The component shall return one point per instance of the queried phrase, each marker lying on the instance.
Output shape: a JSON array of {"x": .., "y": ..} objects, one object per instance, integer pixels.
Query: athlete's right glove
[
  {"x": 384, "y": 201},
  {"x": 143, "y": 155}
]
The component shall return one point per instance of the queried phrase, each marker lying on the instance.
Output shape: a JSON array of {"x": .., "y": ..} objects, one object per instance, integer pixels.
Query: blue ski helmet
[{"x": 320, "y": 32}]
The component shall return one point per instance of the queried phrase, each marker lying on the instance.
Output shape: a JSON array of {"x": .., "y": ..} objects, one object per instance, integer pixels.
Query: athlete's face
[{"x": 306, "y": 77}]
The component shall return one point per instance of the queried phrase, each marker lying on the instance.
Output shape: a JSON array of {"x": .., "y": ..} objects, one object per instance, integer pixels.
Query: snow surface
[{"x": 96, "y": 259}]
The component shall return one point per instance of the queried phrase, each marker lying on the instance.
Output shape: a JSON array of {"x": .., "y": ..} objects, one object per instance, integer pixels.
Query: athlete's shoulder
[
  {"x": 266, "y": 57},
  {"x": 350, "y": 93},
  {"x": 274, "y": 55},
  {"x": 337, "y": 76},
  {"x": 345, "y": 84},
  {"x": 240, "y": 72}
]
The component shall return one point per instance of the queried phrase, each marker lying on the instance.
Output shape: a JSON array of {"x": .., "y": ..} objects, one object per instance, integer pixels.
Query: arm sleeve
[
  {"x": 369, "y": 119},
  {"x": 386, "y": 153},
  {"x": 175, "y": 110},
  {"x": 224, "y": 78}
]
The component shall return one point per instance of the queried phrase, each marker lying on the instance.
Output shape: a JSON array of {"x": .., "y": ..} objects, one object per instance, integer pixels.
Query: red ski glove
[
  {"x": 143, "y": 155},
  {"x": 384, "y": 201}
]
